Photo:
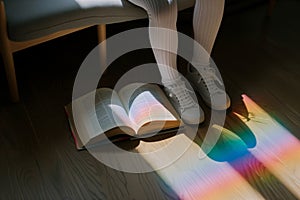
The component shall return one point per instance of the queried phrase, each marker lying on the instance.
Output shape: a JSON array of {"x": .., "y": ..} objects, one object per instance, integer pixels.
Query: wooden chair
[{"x": 27, "y": 23}]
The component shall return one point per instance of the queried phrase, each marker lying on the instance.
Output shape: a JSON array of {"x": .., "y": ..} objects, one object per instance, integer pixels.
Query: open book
[{"x": 135, "y": 111}]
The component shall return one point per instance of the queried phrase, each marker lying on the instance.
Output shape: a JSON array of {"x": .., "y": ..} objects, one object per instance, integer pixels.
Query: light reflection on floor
[{"x": 276, "y": 148}]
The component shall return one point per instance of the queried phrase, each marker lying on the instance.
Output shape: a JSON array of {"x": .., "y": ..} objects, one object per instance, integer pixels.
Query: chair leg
[
  {"x": 10, "y": 74},
  {"x": 7, "y": 55},
  {"x": 101, "y": 29},
  {"x": 101, "y": 32}
]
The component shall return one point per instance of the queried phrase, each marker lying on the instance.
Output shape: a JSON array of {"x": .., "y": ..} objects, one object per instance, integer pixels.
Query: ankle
[
  {"x": 170, "y": 82},
  {"x": 196, "y": 66}
]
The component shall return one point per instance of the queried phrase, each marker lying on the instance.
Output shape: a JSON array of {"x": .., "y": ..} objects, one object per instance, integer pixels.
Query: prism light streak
[
  {"x": 194, "y": 178},
  {"x": 276, "y": 147}
]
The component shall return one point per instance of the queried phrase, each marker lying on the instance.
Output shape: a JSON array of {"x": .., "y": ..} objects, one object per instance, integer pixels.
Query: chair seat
[{"x": 31, "y": 19}]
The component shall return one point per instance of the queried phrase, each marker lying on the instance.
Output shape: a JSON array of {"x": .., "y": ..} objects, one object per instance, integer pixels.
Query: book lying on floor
[{"x": 135, "y": 111}]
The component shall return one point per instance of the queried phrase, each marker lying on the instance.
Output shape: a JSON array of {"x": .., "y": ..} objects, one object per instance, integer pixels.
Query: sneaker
[
  {"x": 180, "y": 97},
  {"x": 208, "y": 85}
]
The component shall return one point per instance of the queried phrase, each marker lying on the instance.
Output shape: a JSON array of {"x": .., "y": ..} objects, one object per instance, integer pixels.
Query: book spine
[{"x": 72, "y": 131}]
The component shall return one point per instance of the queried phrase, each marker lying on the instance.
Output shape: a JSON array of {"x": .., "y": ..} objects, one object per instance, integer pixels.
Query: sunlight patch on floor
[
  {"x": 196, "y": 177},
  {"x": 276, "y": 147}
]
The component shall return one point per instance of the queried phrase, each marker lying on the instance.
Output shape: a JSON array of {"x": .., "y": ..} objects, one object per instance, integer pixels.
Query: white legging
[{"x": 163, "y": 14}]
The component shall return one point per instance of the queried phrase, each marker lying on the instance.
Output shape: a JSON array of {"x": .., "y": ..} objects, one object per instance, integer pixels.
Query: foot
[
  {"x": 208, "y": 85},
  {"x": 185, "y": 105}
]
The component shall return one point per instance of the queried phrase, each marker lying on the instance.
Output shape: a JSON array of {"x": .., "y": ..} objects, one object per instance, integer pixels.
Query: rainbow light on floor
[
  {"x": 192, "y": 177},
  {"x": 276, "y": 147},
  {"x": 276, "y": 152}
]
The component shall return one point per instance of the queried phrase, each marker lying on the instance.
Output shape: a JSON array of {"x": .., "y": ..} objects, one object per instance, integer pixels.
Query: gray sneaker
[
  {"x": 179, "y": 95},
  {"x": 208, "y": 85}
]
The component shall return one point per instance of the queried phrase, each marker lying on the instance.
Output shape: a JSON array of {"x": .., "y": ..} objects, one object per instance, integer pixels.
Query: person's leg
[
  {"x": 206, "y": 23},
  {"x": 163, "y": 14},
  {"x": 207, "y": 18}
]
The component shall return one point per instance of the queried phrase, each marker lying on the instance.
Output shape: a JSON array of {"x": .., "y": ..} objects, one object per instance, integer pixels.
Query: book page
[
  {"x": 146, "y": 103},
  {"x": 108, "y": 113},
  {"x": 109, "y": 110}
]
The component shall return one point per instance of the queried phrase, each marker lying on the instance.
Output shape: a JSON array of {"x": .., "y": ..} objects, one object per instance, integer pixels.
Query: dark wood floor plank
[{"x": 18, "y": 144}]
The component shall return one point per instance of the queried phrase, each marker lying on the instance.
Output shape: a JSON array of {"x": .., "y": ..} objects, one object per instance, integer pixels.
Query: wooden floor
[{"x": 258, "y": 58}]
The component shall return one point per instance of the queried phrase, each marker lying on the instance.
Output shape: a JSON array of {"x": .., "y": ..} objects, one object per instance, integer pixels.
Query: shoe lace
[
  {"x": 182, "y": 95},
  {"x": 208, "y": 78}
]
